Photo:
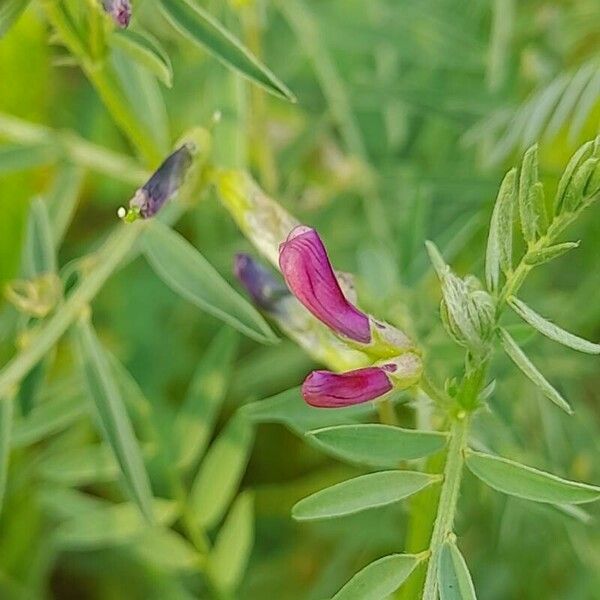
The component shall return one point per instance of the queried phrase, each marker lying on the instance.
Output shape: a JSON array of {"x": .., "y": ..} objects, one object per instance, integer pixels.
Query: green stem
[
  {"x": 444, "y": 521},
  {"x": 109, "y": 257},
  {"x": 74, "y": 148}
]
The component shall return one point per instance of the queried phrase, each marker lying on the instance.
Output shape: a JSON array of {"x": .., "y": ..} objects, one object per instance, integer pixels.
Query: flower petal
[
  {"x": 325, "y": 389},
  {"x": 119, "y": 10},
  {"x": 309, "y": 275},
  {"x": 265, "y": 290}
]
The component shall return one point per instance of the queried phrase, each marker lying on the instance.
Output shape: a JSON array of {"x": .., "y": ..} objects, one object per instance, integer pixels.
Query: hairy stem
[{"x": 444, "y": 521}]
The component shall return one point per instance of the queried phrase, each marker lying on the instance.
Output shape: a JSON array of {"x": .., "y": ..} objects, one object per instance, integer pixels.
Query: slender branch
[
  {"x": 115, "y": 249},
  {"x": 444, "y": 521}
]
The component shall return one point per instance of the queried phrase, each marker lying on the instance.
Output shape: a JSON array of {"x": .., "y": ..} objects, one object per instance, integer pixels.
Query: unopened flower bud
[
  {"x": 119, "y": 10},
  {"x": 162, "y": 185}
]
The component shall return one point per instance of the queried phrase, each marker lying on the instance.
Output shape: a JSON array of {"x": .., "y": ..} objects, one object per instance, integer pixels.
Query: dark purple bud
[
  {"x": 162, "y": 186},
  {"x": 263, "y": 287},
  {"x": 309, "y": 275},
  {"x": 325, "y": 389},
  {"x": 119, "y": 10}
]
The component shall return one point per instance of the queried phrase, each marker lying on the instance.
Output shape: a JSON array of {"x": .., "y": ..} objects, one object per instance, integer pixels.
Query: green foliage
[{"x": 411, "y": 118}]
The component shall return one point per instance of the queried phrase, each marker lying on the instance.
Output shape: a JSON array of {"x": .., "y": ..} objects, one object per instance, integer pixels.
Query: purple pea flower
[
  {"x": 161, "y": 186},
  {"x": 119, "y": 10},
  {"x": 324, "y": 389},
  {"x": 309, "y": 275},
  {"x": 265, "y": 290}
]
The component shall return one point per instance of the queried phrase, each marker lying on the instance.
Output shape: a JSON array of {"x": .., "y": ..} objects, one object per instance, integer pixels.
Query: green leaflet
[
  {"x": 454, "y": 579},
  {"x": 361, "y": 493},
  {"x": 580, "y": 155},
  {"x": 550, "y": 330},
  {"x": 377, "y": 445},
  {"x": 290, "y": 409},
  {"x": 110, "y": 524},
  {"x": 206, "y": 393},
  {"x": 166, "y": 549},
  {"x": 145, "y": 50},
  {"x": 189, "y": 274},
  {"x": 90, "y": 464},
  {"x": 221, "y": 472},
  {"x": 62, "y": 200},
  {"x": 49, "y": 417},
  {"x": 527, "y": 207},
  {"x": 230, "y": 554},
  {"x": 530, "y": 371},
  {"x": 380, "y": 578},
  {"x": 499, "y": 246},
  {"x": 6, "y": 424},
  {"x": 526, "y": 482},
  {"x": 39, "y": 255},
  {"x": 204, "y": 30},
  {"x": 113, "y": 417},
  {"x": 10, "y": 11},
  {"x": 538, "y": 257}
]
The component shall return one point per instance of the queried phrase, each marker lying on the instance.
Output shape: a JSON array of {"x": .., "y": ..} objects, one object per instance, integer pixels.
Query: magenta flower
[
  {"x": 309, "y": 275},
  {"x": 265, "y": 290},
  {"x": 325, "y": 389},
  {"x": 119, "y": 10}
]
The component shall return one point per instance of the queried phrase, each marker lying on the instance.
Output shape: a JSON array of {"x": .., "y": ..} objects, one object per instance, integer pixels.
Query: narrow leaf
[
  {"x": 204, "y": 30},
  {"x": 189, "y": 274},
  {"x": 550, "y": 330},
  {"x": 145, "y": 50},
  {"x": 361, "y": 493},
  {"x": 109, "y": 525},
  {"x": 48, "y": 418},
  {"x": 526, "y": 482},
  {"x": 62, "y": 200},
  {"x": 229, "y": 557},
  {"x": 565, "y": 181},
  {"x": 90, "y": 464},
  {"x": 530, "y": 371},
  {"x": 377, "y": 445},
  {"x": 19, "y": 158},
  {"x": 39, "y": 255},
  {"x": 197, "y": 416},
  {"x": 538, "y": 202},
  {"x": 290, "y": 409},
  {"x": 6, "y": 423},
  {"x": 380, "y": 578},
  {"x": 10, "y": 11},
  {"x": 166, "y": 549},
  {"x": 113, "y": 417},
  {"x": 454, "y": 579},
  {"x": 528, "y": 178},
  {"x": 499, "y": 247},
  {"x": 221, "y": 472},
  {"x": 538, "y": 257}
]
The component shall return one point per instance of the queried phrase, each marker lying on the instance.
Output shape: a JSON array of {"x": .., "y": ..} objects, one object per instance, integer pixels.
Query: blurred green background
[{"x": 408, "y": 114}]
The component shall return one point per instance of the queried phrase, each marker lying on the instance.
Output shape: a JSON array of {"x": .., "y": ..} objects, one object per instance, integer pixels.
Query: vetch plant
[
  {"x": 472, "y": 317},
  {"x": 139, "y": 386}
]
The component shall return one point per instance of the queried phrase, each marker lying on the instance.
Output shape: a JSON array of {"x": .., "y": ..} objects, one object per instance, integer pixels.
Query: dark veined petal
[
  {"x": 309, "y": 275},
  {"x": 263, "y": 287},
  {"x": 325, "y": 389},
  {"x": 119, "y": 10}
]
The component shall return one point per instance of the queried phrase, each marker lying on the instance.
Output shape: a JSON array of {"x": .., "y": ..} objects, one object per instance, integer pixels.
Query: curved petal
[
  {"x": 325, "y": 389},
  {"x": 309, "y": 275}
]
